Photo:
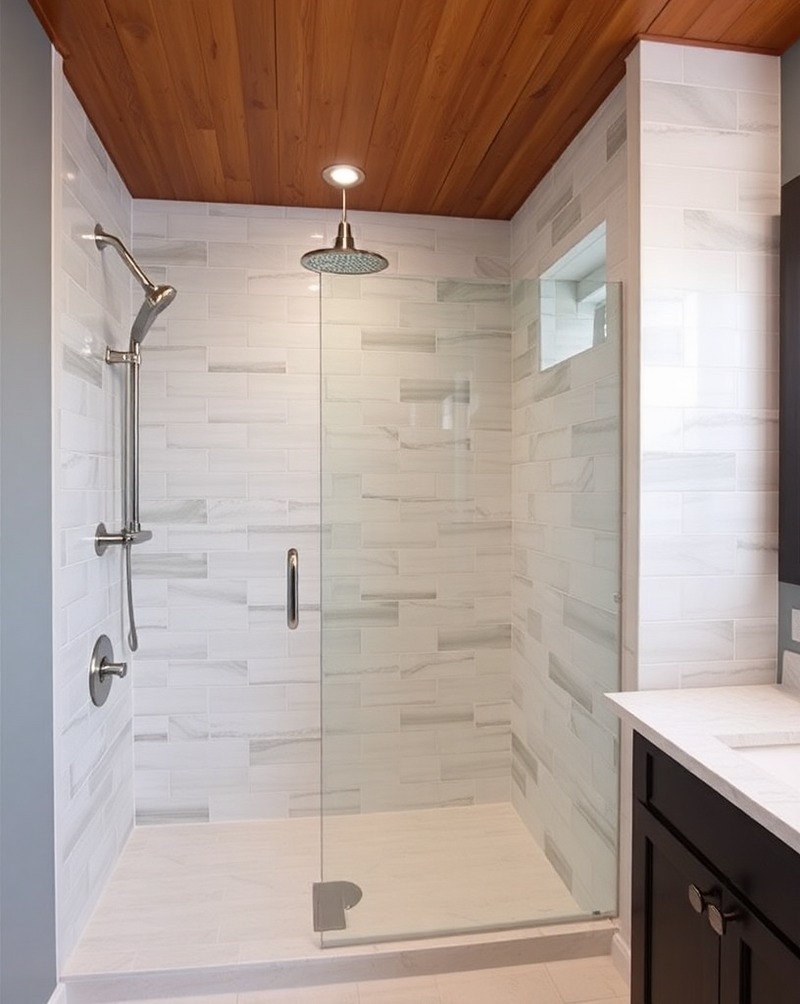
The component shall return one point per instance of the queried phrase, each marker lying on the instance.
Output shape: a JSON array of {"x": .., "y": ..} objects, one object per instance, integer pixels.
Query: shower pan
[{"x": 156, "y": 299}]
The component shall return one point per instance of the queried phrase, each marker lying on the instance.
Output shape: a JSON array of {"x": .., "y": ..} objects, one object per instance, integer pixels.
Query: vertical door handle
[{"x": 292, "y": 586}]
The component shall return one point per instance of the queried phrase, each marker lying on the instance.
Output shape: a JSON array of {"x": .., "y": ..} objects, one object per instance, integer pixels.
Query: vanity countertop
[{"x": 702, "y": 728}]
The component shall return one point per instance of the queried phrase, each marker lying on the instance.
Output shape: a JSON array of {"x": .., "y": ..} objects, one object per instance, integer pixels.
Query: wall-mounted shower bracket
[
  {"x": 116, "y": 356},
  {"x": 103, "y": 669},
  {"x": 103, "y": 539}
]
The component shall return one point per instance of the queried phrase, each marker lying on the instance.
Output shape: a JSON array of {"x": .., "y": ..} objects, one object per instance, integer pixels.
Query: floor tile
[
  {"x": 587, "y": 980},
  {"x": 512, "y": 985},
  {"x": 420, "y": 990}
]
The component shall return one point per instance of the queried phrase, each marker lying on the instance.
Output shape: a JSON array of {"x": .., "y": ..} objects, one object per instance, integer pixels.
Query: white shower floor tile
[{"x": 236, "y": 897}]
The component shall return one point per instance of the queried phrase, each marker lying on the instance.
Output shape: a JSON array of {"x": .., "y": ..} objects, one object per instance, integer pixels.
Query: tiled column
[{"x": 709, "y": 168}]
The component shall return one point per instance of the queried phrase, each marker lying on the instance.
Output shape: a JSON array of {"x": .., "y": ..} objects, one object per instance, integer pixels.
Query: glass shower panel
[{"x": 431, "y": 767}]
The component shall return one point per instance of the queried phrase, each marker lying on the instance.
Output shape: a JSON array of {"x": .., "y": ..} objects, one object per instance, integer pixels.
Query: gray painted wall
[
  {"x": 27, "y": 883},
  {"x": 789, "y": 595}
]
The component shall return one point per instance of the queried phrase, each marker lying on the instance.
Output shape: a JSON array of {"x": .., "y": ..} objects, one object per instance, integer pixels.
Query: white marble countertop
[{"x": 699, "y": 727}]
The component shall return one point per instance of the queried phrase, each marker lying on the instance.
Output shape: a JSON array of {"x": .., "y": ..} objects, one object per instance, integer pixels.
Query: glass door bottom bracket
[{"x": 330, "y": 900}]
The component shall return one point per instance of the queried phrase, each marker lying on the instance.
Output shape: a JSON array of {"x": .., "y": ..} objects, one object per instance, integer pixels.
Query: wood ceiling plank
[
  {"x": 335, "y": 42},
  {"x": 294, "y": 27},
  {"x": 559, "y": 105},
  {"x": 713, "y": 22},
  {"x": 504, "y": 83},
  {"x": 551, "y": 85},
  {"x": 189, "y": 82},
  {"x": 219, "y": 51},
  {"x": 108, "y": 91},
  {"x": 415, "y": 32},
  {"x": 450, "y": 106},
  {"x": 428, "y": 150},
  {"x": 768, "y": 24},
  {"x": 147, "y": 57},
  {"x": 255, "y": 29},
  {"x": 375, "y": 30}
]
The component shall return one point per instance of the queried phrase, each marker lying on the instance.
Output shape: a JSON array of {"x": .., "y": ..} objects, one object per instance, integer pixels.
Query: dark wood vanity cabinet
[{"x": 716, "y": 897}]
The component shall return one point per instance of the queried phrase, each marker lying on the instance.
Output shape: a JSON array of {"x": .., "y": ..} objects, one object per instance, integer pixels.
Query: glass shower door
[{"x": 427, "y": 617}]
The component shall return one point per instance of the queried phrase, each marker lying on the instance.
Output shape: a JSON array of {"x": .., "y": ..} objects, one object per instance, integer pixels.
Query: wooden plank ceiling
[{"x": 451, "y": 107}]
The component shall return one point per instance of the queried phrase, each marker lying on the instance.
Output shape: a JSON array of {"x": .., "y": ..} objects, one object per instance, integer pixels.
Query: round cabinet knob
[
  {"x": 718, "y": 920},
  {"x": 697, "y": 899}
]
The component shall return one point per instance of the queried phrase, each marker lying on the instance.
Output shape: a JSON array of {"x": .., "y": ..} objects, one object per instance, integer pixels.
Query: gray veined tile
[
  {"x": 518, "y": 777},
  {"x": 152, "y": 253},
  {"x": 687, "y": 105},
  {"x": 720, "y": 231},
  {"x": 524, "y": 757},
  {"x": 82, "y": 365},
  {"x": 600, "y": 626},
  {"x": 451, "y": 290},
  {"x": 492, "y": 268},
  {"x": 169, "y": 566},
  {"x": 558, "y": 860},
  {"x": 570, "y": 679},
  {"x": 454, "y": 391},
  {"x": 692, "y": 472},
  {"x": 492, "y": 636},
  {"x": 561, "y": 198},
  {"x": 376, "y": 614},
  {"x": 179, "y": 511},
  {"x": 398, "y": 340},
  {"x": 568, "y": 218},
  {"x": 598, "y": 436},
  {"x": 616, "y": 136},
  {"x": 556, "y": 380},
  {"x": 596, "y": 511},
  {"x": 424, "y": 717},
  {"x": 474, "y": 342},
  {"x": 604, "y": 828}
]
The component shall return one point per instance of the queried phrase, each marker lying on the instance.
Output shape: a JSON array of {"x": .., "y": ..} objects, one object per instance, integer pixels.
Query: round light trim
[{"x": 343, "y": 175}]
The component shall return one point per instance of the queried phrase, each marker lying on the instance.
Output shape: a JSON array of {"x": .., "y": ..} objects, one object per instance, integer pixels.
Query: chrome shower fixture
[
  {"x": 156, "y": 298},
  {"x": 344, "y": 258}
]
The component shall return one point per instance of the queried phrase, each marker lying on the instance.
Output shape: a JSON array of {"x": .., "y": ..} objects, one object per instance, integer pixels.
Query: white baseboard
[
  {"x": 621, "y": 957},
  {"x": 59, "y": 995}
]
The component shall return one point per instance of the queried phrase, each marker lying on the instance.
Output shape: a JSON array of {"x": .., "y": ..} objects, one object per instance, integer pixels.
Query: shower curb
[{"x": 351, "y": 964}]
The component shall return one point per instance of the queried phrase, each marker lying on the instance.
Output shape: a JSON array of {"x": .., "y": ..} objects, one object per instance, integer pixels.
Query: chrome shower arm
[{"x": 102, "y": 239}]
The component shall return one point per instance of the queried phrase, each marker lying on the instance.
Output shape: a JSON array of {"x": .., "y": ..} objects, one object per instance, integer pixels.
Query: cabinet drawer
[{"x": 763, "y": 871}]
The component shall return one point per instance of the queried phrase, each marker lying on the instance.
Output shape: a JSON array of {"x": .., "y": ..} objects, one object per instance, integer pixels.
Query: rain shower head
[
  {"x": 157, "y": 298},
  {"x": 344, "y": 258}
]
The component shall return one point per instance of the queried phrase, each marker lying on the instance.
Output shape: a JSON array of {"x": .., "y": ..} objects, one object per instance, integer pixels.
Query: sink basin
[{"x": 778, "y": 756}]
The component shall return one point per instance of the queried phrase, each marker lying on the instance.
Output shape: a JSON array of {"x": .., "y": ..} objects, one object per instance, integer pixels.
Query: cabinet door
[
  {"x": 757, "y": 967},
  {"x": 675, "y": 953}
]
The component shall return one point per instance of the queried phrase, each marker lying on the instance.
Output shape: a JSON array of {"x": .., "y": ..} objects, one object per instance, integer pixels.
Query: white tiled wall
[
  {"x": 94, "y": 760},
  {"x": 709, "y": 171},
  {"x": 566, "y": 499},
  {"x": 227, "y": 698}
]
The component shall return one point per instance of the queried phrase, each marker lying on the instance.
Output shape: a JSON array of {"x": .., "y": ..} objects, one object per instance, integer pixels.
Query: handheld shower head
[{"x": 156, "y": 299}]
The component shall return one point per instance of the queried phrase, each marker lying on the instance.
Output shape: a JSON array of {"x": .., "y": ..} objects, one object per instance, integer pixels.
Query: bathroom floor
[
  {"x": 227, "y": 907},
  {"x": 576, "y": 981}
]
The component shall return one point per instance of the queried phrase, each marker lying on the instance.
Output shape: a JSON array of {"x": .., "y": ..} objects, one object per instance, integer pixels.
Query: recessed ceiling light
[{"x": 343, "y": 175}]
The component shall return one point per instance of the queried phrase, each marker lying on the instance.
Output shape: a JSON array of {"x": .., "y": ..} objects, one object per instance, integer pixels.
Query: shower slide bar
[{"x": 156, "y": 298}]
